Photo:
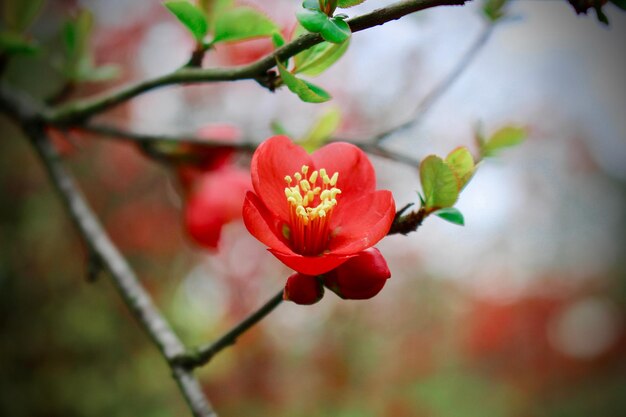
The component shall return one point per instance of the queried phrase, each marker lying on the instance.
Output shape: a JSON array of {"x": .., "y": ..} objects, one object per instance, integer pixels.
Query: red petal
[
  {"x": 310, "y": 265},
  {"x": 275, "y": 158},
  {"x": 261, "y": 223},
  {"x": 361, "y": 223},
  {"x": 356, "y": 173}
]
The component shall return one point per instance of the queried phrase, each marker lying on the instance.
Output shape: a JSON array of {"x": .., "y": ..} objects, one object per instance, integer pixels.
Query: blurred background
[{"x": 520, "y": 313}]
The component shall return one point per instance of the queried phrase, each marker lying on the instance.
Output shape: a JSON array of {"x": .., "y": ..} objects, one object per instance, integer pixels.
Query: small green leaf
[
  {"x": 344, "y": 4},
  {"x": 504, "y": 138},
  {"x": 14, "y": 43},
  {"x": 19, "y": 14},
  {"x": 189, "y": 15},
  {"x": 494, "y": 9},
  {"x": 77, "y": 37},
  {"x": 307, "y": 92},
  {"x": 335, "y": 30},
  {"x": 312, "y": 20},
  {"x": 439, "y": 183},
  {"x": 452, "y": 215},
  {"x": 461, "y": 162},
  {"x": 278, "y": 40},
  {"x": 320, "y": 57},
  {"x": 422, "y": 201},
  {"x": 322, "y": 130},
  {"x": 243, "y": 23},
  {"x": 278, "y": 129}
]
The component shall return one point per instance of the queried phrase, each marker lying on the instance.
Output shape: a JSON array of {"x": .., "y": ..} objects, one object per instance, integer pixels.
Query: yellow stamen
[{"x": 311, "y": 207}]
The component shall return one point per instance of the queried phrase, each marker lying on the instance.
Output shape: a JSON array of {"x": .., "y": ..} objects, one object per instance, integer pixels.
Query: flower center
[{"x": 312, "y": 198}]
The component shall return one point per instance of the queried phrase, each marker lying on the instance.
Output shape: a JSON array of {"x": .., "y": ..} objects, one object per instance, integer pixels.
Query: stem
[
  {"x": 82, "y": 109},
  {"x": 126, "y": 282},
  {"x": 204, "y": 354},
  {"x": 141, "y": 138}
]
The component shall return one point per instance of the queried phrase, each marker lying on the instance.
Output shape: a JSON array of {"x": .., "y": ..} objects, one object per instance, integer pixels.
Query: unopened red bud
[
  {"x": 303, "y": 289},
  {"x": 360, "y": 277}
]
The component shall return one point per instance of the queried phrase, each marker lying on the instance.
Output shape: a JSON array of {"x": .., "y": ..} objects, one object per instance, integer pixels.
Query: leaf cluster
[{"x": 443, "y": 180}]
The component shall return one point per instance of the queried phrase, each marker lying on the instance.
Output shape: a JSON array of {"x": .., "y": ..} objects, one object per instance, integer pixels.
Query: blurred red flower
[
  {"x": 203, "y": 158},
  {"x": 315, "y": 211},
  {"x": 214, "y": 201}
]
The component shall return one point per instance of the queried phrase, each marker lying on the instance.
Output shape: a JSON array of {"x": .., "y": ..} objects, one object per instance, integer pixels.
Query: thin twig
[
  {"x": 116, "y": 133},
  {"x": 440, "y": 88},
  {"x": 80, "y": 110},
  {"x": 243, "y": 146},
  {"x": 204, "y": 354},
  {"x": 134, "y": 295}
]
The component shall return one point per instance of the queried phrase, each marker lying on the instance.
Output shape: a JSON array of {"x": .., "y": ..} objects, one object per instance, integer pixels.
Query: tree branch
[
  {"x": 82, "y": 109},
  {"x": 247, "y": 146},
  {"x": 144, "y": 138},
  {"x": 204, "y": 354},
  {"x": 132, "y": 292}
]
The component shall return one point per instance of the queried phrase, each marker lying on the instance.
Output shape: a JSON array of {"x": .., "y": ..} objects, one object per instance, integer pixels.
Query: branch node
[{"x": 405, "y": 224}]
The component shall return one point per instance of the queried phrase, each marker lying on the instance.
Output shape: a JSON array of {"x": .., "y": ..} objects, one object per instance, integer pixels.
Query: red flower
[
  {"x": 315, "y": 211},
  {"x": 215, "y": 201},
  {"x": 359, "y": 278},
  {"x": 201, "y": 159}
]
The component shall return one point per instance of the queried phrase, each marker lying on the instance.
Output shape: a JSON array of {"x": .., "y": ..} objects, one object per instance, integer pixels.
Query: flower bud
[
  {"x": 303, "y": 289},
  {"x": 360, "y": 277}
]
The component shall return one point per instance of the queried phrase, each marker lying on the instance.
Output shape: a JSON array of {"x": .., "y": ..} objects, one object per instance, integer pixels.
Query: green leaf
[
  {"x": 312, "y": 20},
  {"x": 320, "y": 57},
  {"x": 243, "y": 23},
  {"x": 344, "y": 4},
  {"x": 278, "y": 40},
  {"x": 76, "y": 38},
  {"x": 307, "y": 92},
  {"x": 504, "y": 138},
  {"x": 461, "y": 162},
  {"x": 322, "y": 130},
  {"x": 422, "y": 200},
  {"x": 335, "y": 30},
  {"x": 452, "y": 215},
  {"x": 278, "y": 129},
  {"x": 189, "y": 15},
  {"x": 19, "y": 14},
  {"x": 439, "y": 183},
  {"x": 14, "y": 43},
  {"x": 494, "y": 9}
]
